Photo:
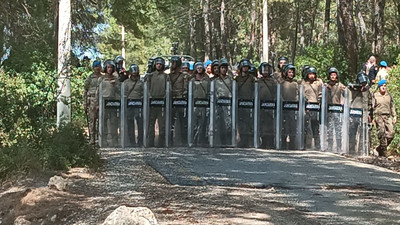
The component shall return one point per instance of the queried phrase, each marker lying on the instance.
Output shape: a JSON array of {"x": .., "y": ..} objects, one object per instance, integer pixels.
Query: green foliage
[
  {"x": 322, "y": 57},
  {"x": 394, "y": 89}
]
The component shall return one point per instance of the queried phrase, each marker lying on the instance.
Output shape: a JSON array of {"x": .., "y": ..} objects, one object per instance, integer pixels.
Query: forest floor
[{"x": 129, "y": 179}]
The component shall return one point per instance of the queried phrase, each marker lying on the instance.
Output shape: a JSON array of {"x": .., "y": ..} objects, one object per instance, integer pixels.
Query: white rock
[
  {"x": 21, "y": 221},
  {"x": 59, "y": 183},
  {"x": 131, "y": 216}
]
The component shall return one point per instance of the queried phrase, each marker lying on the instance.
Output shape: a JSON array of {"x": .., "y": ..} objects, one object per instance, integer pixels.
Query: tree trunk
[
  {"x": 302, "y": 33},
  {"x": 313, "y": 15},
  {"x": 295, "y": 33},
  {"x": 349, "y": 44},
  {"x": 253, "y": 29},
  {"x": 378, "y": 27},
  {"x": 361, "y": 23},
  {"x": 327, "y": 20},
  {"x": 207, "y": 34},
  {"x": 398, "y": 23},
  {"x": 223, "y": 38},
  {"x": 192, "y": 36}
]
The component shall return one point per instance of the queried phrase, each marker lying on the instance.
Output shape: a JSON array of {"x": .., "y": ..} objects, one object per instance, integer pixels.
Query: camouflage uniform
[
  {"x": 384, "y": 110},
  {"x": 179, "y": 86},
  {"x": 245, "y": 90},
  {"x": 312, "y": 93},
  {"x": 201, "y": 88},
  {"x": 91, "y": 104},
  {"x": 157, "y": 82},
  {"x": 134, "y": 91},
  {"x": 223, "y": 120},
  {"x": 267, "y": 92}
]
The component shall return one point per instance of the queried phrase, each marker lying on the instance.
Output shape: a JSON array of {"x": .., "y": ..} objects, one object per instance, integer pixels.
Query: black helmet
[
  {"x": 134, "y": 68},
  {"x": 159, "y": 60},
  {"x": 253, "y": 70},
  {"x": 288, "y": 67},
  {"x": 215, "y": 62},
  {"x": 223, "y": 62},
  {"x": 185, "y": 64},
  {"x": 243, "y": 63},
  {"x": 119, "y": 59},
  {"x": 333, "y": 70},
  {"x": 108, "y": 62},
  {"x": 262, "y": 69},
  {"x": 311, "y": 70},
  {"x": 361, "y": 78},
  {"x": 177, "y": 60},
  {"x": 304, "y": 71}
]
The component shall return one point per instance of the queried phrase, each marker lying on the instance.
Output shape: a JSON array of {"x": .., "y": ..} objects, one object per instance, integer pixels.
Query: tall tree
[
  {"x": 327, "y": 20},
  {"x": 378, "y": 27},
  {"x": 349, "y": 37}
]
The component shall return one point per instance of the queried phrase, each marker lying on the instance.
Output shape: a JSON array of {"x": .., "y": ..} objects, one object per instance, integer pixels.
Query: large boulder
[{"x": 131, "y": 216}]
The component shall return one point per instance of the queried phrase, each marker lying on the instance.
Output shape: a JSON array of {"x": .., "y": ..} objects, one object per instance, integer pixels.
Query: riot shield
[
  {"x": 312, "y": 126},
  {"x": 155, "y": 119},
  {"x": 179, "y": 120},
  {"x": 265, "y": 113},
  {"x": 132, "y": 120},
  {"x": 355, "y": 123},
  {"x": 223, "y": 113},
  {"x": 290, "y": 111},
  {"x": 331, "y": 122},
  {"x": 245, "y": 114},
  {"x": 198, "y": 113},
  {"x": 109, "y": 114}
]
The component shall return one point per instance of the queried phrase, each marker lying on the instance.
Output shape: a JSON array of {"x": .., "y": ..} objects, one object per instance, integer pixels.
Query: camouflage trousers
[
  {"x": 385, "y": 131},
  {"x": 93, "y": 117}
]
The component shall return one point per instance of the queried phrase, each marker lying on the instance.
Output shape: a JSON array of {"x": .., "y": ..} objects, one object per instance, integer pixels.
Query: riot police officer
[
  {"x": 223, "y": 92},
  {"x": 214, "y": 69},
  {"x": 120, "y": 70},
  {"x": 335, "y": 96},
  {"x": 361, "y": 100},
  {"x": 290, "y": 93},
  {"x": 89, "y": 100},
  {"x": 280, "y": 73},
  {"x": 179, "y": 86},
  {"x": 267, "y": 86},
  {"x": 134, "y": 94},
  {"x": 201, "y": 87},
  {"x": 312, "y": 93},
  {"x": 157, "y": 83},
  {"x": 245, "y": 90},
  {"x": 110, "y": 91}
]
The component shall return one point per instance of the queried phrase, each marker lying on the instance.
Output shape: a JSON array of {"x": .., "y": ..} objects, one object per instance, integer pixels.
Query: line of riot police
[{"x": 263, "y": 110}]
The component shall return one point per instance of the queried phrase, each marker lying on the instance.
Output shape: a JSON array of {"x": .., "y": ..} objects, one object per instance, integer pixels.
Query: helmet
[
  {"x": 304, "y": 71},
  {"x": 185, "y": 64},
  {"x": 198, "y": 64},
  {"x": 119, "y": 59},
  {"x": 159, "y": 60},
  {"x": 253, "y": 70},
  {"x": 311, "y": 70},
  {"x": 109, "y": 62},
  {"x": 96, "y": 63},
  {"x": 262, "y": 69},
  {"x": 243, "y": 63},
  {"x": 223, "y": 62},
  {"x": 134, "y": 68},
  {"x": 177, "y": 60},
  {"x": 215, "y": 62},
  {"x": 288, "y": 67},
  {"x": 361, "y": 78},
  {"x": 333, "y": 70},
  {"x": 150, "y": 66}
]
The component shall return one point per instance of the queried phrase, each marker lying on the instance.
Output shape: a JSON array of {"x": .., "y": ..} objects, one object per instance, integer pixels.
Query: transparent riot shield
[
  {"x": 109, "y": 114},
  {"x": 331, "y": 122},
  {"x": 265, "y": 113},
  {"x": 178, "y": 128},
  {"x": 222, "y": 131},
  {"x": 312, "y": 137},
  {"x": 290, "y": 115},
  {"x": 131, "y": 120},
  {"x": 155, "y": 119},
  {"x": 198, "y": 113},
  {"x": 355, "y": 123},
  {"x": 245, "y": 114}
]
